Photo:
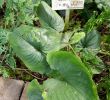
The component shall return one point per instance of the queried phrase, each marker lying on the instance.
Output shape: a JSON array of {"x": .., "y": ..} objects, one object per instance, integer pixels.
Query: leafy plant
[
  {"x": 71, "y": 83},
  {"x": 5, "y": 51},
  {"x": 17, "y": 12},
  {"x": 51, "y": 19},
  {"x": 39, "y": 49},
  {"x": 36, "y": 42},
  {"x": 4, "y": 72},
  {"x": 100, "y": 3},
  {"x": 69, "y": 53}
]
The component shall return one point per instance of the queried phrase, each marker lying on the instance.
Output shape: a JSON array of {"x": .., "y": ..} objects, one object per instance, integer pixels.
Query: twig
[
  {"x": 33, "y": 75},
  {"x": 27, "y": 71}
]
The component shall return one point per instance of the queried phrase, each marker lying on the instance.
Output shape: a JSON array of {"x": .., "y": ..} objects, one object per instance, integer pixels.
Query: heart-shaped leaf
[
  {"x": 77, "y": 37},
  {"x": 44, "y": 40},
  {"x": 30, "y": 44},
  {"x": 34, "y": 91},
  {"x": 49, "y": 18},
  {"x": 75, "y": 83},
  {"x": 31, "y": 57},
  {"x": 91, "y": 40}
]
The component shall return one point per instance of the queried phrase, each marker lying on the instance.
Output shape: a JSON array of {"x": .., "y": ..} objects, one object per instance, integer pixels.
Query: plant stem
[
  {"x": 28, "y": 72},
  {"x": 67, "y": 16}
]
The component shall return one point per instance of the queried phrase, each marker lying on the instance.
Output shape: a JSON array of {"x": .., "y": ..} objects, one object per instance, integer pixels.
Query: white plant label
[{"x": 67, "y": 4}]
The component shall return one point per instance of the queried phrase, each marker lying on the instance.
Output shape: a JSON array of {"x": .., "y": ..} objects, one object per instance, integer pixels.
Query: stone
[
  {"x": 10, "y": 89},
  {"x": 24, "y": 96}
]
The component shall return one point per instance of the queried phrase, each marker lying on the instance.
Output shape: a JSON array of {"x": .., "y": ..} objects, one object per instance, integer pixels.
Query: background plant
[{"x": 83, "y": 37}]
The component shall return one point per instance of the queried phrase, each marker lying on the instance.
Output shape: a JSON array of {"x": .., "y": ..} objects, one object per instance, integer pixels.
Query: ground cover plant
[{"x": 64, "y": 53}]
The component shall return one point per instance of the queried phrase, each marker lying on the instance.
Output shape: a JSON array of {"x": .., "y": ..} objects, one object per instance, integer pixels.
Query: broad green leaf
[
  {"x": 31, "y": 57},
  {"x": 61, "y": 90},
  {"x": 77, "y": 37},
  {"x": 49, "y": 18},
  {"x": 91, "y": 40},
  {"x": 30, "y": 44},
  {"x": 76, "y": 81},
  {"x": 42, "y": 39},
  {"x": 34, "y": 91},
  {"x": 51, "y": 41}
]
